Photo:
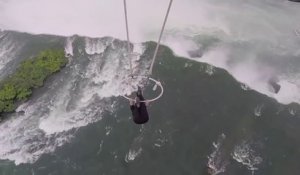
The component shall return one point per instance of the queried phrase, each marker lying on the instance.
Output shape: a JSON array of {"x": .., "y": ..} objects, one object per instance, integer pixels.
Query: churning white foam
[
  {"x": 250, "y": 39},
  {"x": 289, "y": 91},
  {"x": 245, "y": 155},
  {"x": 258, "y": 110},
  {"x": 216, "y": 162},
  {"x": 135, "y": 149},
  {"x": 8, "y": 51},
  {"x": 69, "y": 46},
  {"x": 252, "y": 66},
  {"x": 253, "y": 40},
  {"x": 79, "y": 97},
  {"x": 94, "y": 46},
  {"x": 22, "y": 141}
]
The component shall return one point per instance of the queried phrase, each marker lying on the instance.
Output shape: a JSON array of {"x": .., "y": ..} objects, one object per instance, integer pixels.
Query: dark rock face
[
  {"x": 274, "y": 84},
  {"x": 195, "y": 53},
  {"x": 295, "y": 0}
]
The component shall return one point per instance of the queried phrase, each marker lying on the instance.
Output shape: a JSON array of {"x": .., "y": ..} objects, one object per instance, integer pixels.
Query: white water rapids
[
  {"x": 79, "y": 97},
  {"x": 255, "y": 40}
]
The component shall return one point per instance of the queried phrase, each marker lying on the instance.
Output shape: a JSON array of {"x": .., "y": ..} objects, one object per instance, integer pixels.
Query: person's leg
[
  {"x": 143, "y": 110},
  {"x": 136, "y": 115},
  {"x": 141, "y": 107}
]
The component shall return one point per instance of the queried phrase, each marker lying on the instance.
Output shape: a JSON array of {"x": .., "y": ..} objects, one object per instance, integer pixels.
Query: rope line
[
  {"x": 160, "y": 35},
  {"x": 129, "y": 54},
  {"x": 128, "y": 39}
]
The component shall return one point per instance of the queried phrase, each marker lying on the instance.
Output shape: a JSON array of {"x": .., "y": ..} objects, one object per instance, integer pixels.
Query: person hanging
[
  {"x": 138, "y": 108},
  {"x": 138, "y": 105}
]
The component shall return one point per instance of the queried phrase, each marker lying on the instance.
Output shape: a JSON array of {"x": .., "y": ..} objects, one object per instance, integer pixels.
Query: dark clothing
[{"x": 140, "y": 114}]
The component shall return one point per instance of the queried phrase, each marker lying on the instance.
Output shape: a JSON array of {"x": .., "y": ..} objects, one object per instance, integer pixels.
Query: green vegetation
[{"x": 29, "y": 75}]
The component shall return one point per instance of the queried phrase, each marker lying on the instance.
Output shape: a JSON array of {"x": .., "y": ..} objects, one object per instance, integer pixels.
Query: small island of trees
[{"x": 29, "y": 75}]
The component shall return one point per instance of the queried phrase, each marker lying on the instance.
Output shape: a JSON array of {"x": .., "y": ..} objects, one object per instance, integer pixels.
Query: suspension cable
[
  {"x": 129, "y": 53},
  {"x": 158, "y": 43},
  {"x": 128, "y": 39}
]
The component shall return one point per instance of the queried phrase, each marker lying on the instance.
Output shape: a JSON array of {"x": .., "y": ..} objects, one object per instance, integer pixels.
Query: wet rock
[
  {"x": 21, "y": 112},
  {"x": 274, "y": 84},
  {"x": 210, "y": 171},
  {"x": 195, "y": 53},
  {"x": 68, "y": 55}
]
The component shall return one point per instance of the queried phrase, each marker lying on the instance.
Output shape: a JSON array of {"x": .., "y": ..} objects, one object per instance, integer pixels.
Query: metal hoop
[{"x": 158, "y": 83}]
